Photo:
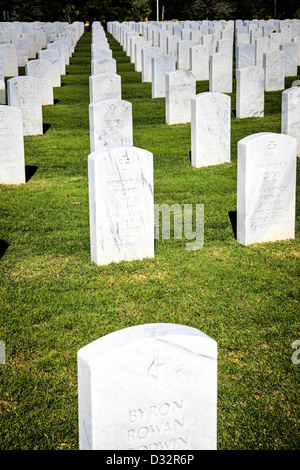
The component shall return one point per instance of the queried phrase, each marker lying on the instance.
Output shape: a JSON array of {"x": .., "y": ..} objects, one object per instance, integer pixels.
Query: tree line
[{"x": 140, "y": 10}]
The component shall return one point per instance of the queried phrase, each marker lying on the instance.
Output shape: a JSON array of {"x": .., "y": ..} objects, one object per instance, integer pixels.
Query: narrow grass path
[{"x": 54, "y": 300}]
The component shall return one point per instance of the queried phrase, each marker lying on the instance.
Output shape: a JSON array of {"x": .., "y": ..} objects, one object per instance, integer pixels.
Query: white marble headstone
[
  {"x": 42, "y": 69},
  {"x": 148, "y": 387},
  {"x": 147, "y": 54},
  {"x": 52, "y": 55},
  {"x": 110, "y": 123},
  {"x": 210, "y": 129},
  {"x": 2, "y": 89},
  {"x": 24, "y": 92},
  {"x": 250, "y": 91},
  {"x": 266, "y": 188},
  {"x": 291, "y": 58},
  {"x": 105, "y": 85},
  {"x": 220, "y": 72},
  {"x": 180, "y": 88},
  {"x": 199, "y": 60},
  {"x": 103, "y": 65},
  {"x": 161, "y": 64},
  {"x": 274, "y": 67},
  {"x": 8, "y": 54},
  {"x": 12, "y": 162},
  {"x": 121, "y": 204},
  {"x": 290, "y": 114}
]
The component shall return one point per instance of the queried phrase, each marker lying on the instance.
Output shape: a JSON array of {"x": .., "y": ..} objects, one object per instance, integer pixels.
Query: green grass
[{"x": 54, "y": 300}]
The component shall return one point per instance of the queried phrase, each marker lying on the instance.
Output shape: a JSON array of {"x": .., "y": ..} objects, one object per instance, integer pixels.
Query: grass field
[{"x": 54, "y": 300}]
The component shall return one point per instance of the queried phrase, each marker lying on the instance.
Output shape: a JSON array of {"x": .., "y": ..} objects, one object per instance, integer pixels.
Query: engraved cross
[
  {"x": 272, "y": 147},
  {"x": 124, "y": 161},
  {"x": 154, "y": 368}
]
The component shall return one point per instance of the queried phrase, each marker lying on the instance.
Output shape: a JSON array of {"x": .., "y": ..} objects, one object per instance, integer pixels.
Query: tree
[{"x": 140, "y": 9}]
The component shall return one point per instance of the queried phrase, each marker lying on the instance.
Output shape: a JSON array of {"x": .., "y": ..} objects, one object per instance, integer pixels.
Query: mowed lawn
[{"x": 54, "y": 300}]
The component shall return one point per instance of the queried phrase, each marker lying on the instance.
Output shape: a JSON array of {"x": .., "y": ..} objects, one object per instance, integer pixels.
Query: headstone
[
  {"x": 104, "y": 65},
  {"x": 138, "y": 54},
  {"x": 42, "y": 69},
  {"x": 180, "y": 88},
  {"x": 161, "y": 64},
  {"x": 148, "y": 387},
  {"x": 245, "y": 55},
  {"x": 147, "y": 54},
  {"x": 210, "y": 129},
  {"x": 104, "y": 86},
  {"x": 8, "y": 54},
  {"x": 52, "y": 55},
  {"x": 12, "y": 162},
  {"x": 291, "y": 58},
  {"x": 273, "y": 62},
  {"x": 220, "y": 73},
  {"x": 110, "y": 123},
  {"x": 2, "y": 89},
  {"x": 266, "y": 188},
  {"x": 121, "y": 204},
  {"x": 183, "y": 54},
  {"x": 100, "y": 53},
  {"x": 24, "y": 92},
  {"x": 262, "y": 45},
  {"x": 250, "y": 90},
  {"x": 199, "y": 60},
  {"x": 290, "y": 114}
]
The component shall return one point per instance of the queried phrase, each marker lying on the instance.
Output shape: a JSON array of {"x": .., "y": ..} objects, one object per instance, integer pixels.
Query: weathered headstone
[
  {"x": 199, "y": 60},
  {"x": 12, "y": 162},
  {"x": 180, "y": 88},
  {"x": 266, "y": 188},
  {"x": 220, "y": 72},
  {"x": 52, "y": 55},
  {"x": 24, "y": 92},
  {"x": 274, "y": 63},
  {"x": 103, "y": 65},
  {"x": 245, "y": 55},
  {"x": 148, "y": 387},
  {"x": 250, "y": 90},
  {"x": 104, "y": 86},
  {"x": 210, "y": 129},
  {"x": 290, "y": 114},
  {"x": 262, "y": 45},
  {"x": 2, "y": 89},
  {"x": 291, "y": 58},
  {"x": 147, "y": 54},
  {"x": 121, "y": 204},
  {"x": 8, "y": 54},
  {"x": 183, "y": 54},
  {"x": 42, "y": 69},
  {"x": 161, "y": 64},
  {"x": 110, "y": 123}
]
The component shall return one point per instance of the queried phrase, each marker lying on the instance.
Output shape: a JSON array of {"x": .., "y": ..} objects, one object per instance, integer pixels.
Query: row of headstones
[
  {"x": 121, "y": 176},
  {"x": 259, "y": 67},
  {"x": 181, "y": 43},
  {"x": 209, "y": 114},
  {"x": 26, "y": 95}
]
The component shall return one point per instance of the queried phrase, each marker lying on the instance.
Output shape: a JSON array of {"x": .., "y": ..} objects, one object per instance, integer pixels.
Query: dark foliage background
[{"x": 137, "y": 10}]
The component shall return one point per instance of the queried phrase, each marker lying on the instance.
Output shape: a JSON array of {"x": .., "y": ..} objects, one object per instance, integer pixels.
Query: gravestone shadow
[
  {"x": 30, "y": 171},
  {"x": 56, "y": 101},
  {"x": 46, "y": 127},
  {"x": 3, "y": 247},
  {"x": 232, "y": 217}
]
